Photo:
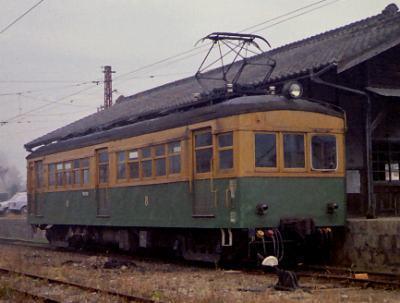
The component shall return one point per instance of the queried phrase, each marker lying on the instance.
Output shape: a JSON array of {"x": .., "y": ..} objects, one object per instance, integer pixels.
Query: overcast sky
[{"x": 58, "y": 49}]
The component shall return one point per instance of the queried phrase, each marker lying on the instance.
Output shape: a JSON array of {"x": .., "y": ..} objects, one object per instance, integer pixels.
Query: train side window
[
  {"x": 85, "y": 170},
  {"x": 203, "y": 151},
  {"x": 323, "y": 150},
  {"x": 121, "y": 165},
  {"x": 39, "y": 174},
  {"x": 225, "y": 150},
  {"x": 293, "y": 150},
  {"x": 59, "y": 174},
  {"x": 133, "y": 164},
  {"x": 160, "y": 163},
  {"x": 52, "y": 174},
  {"x": 174, "y": 157},
  {"x": 77, "y": 172},
  {"x": 68, "y": 173},
  {"x": 146, "y": 162},
  {"x": 265, "y": 150}
]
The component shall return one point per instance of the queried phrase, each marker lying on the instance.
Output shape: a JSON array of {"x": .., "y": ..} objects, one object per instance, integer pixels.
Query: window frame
[
  {"x": 118, "y": 163},
  {"x": 219, "y": 149},
  {"x": 155, "y": 158},
  {"x": 195, "y": 149},
  {"x": 39, "y": 174},
  {"x": 49, "y": 173},
  {"x": 306, "y": 151},
  {"x": 142, "y": 159},
  {"x": 326, "y": 170},
  {"x": 101, "y": 164},
  {"x": 277, "y": 147},
  {"x": 70, "y": 171},
  {"x": 59, "y": 171},
  {"x": 129, "y": 161},
  {"x": 174, "y": 154}
]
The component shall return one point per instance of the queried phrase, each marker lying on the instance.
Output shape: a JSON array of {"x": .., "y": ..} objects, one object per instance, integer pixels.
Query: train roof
[
  {"x": 235, "y": 106},
  {"x": 346, "y": 46}
]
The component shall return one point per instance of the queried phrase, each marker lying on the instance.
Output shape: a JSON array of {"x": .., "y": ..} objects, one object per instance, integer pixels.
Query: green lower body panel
[{"x": 216, "y": 204}]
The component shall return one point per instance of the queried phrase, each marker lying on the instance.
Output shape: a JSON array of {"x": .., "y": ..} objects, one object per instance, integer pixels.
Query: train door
[
  {"x": 35, "y": 188},
  {"x": 102, "y": 182},
  {"x": 203, "y": 192}
]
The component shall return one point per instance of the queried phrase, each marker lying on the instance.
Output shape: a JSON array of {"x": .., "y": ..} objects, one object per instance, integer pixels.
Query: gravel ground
[{"x": 165, "y": 281}]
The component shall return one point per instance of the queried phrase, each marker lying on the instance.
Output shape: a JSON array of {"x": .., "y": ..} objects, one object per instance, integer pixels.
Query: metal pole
[{"x": 107, "y": 86}]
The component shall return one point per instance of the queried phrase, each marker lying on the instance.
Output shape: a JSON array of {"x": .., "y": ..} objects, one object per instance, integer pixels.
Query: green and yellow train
[{"x": 247, "y": 176}]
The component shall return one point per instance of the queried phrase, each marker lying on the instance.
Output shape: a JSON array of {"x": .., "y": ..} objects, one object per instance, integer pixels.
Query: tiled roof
[{"x": 346, "y": 46}]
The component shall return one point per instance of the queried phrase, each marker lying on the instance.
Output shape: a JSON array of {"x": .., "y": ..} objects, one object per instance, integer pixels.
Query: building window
[
  {"x": 121, "y": 165},
  {"x": 225, "y": 150},
  {"x": 386, "y": 161},
  {"x": 52, "y": 174},
  {"x": 203, "y": 151},
  {"x": 293, "y": 149},
  {"x": 323, "y": 150},
  {"x": 265, "y": 150},
  {"x": 103, "y": 166},
  {"x": 133, "y": 164},
  {"x": 146, "y": 162},
  {"x": 174, "y": 158},
  {"x": 160, "y": 163}
]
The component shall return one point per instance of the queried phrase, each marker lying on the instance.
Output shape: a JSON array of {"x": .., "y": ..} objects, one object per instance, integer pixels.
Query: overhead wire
[
  {"x": 20, "y": 17},
  {"x": 251, "y": 27},
  {"x": 295, "y": 16},
  {"x": 45, "y": 89},
  {"x": 176, "y": 56},
  {"x": 7, "y": 121},
  {"x": 283, "y": 15}
]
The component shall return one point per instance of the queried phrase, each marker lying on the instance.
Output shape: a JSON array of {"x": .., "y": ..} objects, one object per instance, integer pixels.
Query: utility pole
[{"x": 107, "y": 86}]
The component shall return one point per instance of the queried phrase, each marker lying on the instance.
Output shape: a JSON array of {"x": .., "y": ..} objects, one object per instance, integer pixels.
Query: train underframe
[{"x": 294, "y": 241}]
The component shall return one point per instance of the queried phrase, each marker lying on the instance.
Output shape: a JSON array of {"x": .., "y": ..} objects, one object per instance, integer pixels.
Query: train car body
[{"x": 221, "y": 179}]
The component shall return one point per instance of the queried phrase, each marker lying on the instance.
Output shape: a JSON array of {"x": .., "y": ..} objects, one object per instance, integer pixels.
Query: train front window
[
  {"x": 265, "y": 150},
  {"x": 204, "y": 151},
  {"x": 293, "y": 148},
  {"x": 324, "y": 155},
  {"x": 225, "y": 151}
]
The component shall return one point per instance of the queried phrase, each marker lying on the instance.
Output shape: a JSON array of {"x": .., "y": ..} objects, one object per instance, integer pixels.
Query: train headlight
[{"x": 292, "y": 90}]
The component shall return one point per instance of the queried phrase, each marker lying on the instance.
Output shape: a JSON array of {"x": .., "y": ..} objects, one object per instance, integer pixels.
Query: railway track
[
  {"x": 53, "y": 281},
  {"x": 338, "y": 275},
  {"x": 344, "y": 276}
]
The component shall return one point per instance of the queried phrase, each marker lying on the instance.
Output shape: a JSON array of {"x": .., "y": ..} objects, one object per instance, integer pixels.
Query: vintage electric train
[{"x": 249, "y": 176}]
